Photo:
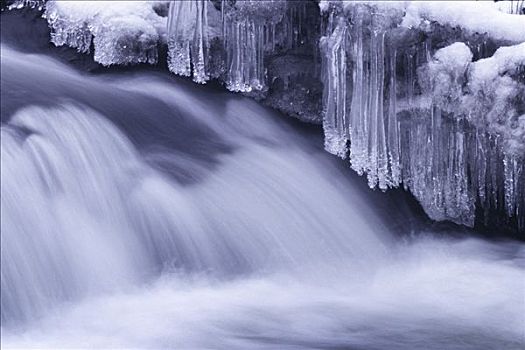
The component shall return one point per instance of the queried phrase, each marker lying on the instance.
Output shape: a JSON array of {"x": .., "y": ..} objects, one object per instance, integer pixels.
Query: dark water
[{"x": 141, "y": 211}]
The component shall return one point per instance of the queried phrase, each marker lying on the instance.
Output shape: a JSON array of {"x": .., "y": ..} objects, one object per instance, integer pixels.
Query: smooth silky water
[{"x": 140, "y": 211}]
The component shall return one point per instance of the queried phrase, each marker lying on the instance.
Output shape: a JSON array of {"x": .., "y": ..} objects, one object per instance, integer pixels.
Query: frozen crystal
[
  {"x": 449, "y": 129},
  {"x": 247, "y": 32},
  {"x": 188, "y": 42},
  {"x": 121, "y": 32}
]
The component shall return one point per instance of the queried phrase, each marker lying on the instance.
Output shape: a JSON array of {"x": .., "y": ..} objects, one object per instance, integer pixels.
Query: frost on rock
[
  {"x": 408, "y": 105},
  {"x": 121, "y": 32}
]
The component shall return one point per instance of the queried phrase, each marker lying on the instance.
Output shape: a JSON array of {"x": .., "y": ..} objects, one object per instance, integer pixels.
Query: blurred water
[{"x": 140, "y": 211}]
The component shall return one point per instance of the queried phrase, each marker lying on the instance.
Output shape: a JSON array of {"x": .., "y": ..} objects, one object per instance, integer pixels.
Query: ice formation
[
  {"x": 121, "y": 32},
  {"x": 236, "y": 41},
  {"x": 20, "y": 4},
  {"x": 188, "y": 39},
  {"x": 420, "y": 94},
  {"x": 243, "y": 32},
  {"x": 403, "y": 111}
]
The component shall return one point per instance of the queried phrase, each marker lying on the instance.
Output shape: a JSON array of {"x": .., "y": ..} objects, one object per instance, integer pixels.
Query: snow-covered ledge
[{"x": 420, "y": 94}]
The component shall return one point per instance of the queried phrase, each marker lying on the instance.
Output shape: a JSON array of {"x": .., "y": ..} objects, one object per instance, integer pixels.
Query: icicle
[
  {"x": 201, "y": 43},
  {"x": 335, "y": 124},
  {"x": 358, "y": 128},
  {"x": 373, "y": 114},
  {"x": 510, "y": 170},
  {"x": 410, "y": 78},
  {"x": 520, "y": 194},
  {"x": 188, "y": 41},
  {"x": 378, "y": 159},
  {"x": 481, "y": 166},
  {"x": 68, "y": 31},
  {"x": 393, "y": 125},
  {"x": 249, "y": 29},
  {"x": 437, "y": 178}
]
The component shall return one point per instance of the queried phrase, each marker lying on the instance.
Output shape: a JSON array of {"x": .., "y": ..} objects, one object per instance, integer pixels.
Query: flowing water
[{"x": 139, "y": 211}]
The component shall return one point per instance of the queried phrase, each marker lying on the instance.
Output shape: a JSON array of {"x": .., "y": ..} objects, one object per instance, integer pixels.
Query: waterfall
[
  {"x": 86, "y": 185},
  {"x": 141, "y": 211}
]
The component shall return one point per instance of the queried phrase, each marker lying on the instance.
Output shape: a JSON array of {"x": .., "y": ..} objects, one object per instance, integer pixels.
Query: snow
[
  {"x": 444, "y": 76},
  {"x": 496, "y": 86},
  {"x": 488, "y": 92},
  {"x": 506, "y": 60},
  {"x": 473, "y": 16},
  {"x": 324, "y": 5},
  {"x": 457, "y": 54}
]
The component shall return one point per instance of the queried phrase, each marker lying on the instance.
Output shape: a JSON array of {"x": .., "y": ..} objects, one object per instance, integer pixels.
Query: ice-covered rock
[
  {"x": 478, "y": 107},
  {"x": 489, "y": 93},
  {"x": 121, "y": 32},
  {"x": 406, "y": 110}
]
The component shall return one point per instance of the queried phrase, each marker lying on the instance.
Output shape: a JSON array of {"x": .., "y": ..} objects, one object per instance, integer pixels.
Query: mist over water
[{"x": 141, "y": 211}]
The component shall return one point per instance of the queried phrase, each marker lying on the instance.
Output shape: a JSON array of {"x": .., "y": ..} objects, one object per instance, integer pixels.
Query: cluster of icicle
[
  {"x": 230, "y": 40},
  {"x": 376, "y": 115},
  {"x": 67, "y": 31}
]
